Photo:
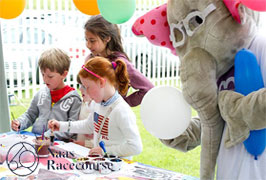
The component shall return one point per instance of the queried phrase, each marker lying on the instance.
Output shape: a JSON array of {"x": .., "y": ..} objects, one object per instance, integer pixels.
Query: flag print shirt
[{"x": 119, "y": 131}]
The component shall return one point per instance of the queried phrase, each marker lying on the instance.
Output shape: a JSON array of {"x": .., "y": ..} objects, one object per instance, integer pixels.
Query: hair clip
[{"x": 114, "y": 64}]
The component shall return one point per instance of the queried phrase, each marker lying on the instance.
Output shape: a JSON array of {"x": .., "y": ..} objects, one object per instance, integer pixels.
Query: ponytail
[{"x": 121, "y": 74}]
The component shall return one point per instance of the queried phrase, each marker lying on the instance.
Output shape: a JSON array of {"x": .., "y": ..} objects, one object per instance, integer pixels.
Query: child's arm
[
  {"x": 83, "y": 126},
  {"x": 139, "y": 82},
  {"x": 29, "y": 117}
]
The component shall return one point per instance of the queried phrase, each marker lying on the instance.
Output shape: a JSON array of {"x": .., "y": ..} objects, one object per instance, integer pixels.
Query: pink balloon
[{"x": 257, "y": 5}]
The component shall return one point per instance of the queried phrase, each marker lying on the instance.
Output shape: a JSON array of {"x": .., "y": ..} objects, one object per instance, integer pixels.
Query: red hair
[{"x": 101, "y": 66}]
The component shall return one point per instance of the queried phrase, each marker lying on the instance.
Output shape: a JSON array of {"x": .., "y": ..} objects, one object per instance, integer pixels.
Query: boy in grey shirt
[{"x": 55, "y": 101}]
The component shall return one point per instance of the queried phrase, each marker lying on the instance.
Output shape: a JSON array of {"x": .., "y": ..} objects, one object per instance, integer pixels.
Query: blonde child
[
  {"x": 104, "y": 39},
  {"x": 86, "y": 108},
  {"x": 54, "y": 101},
  {"x": 112, "y": 120}
]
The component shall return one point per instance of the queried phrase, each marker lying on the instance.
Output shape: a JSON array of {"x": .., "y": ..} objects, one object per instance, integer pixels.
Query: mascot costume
[{"x": 206, "y": 35}]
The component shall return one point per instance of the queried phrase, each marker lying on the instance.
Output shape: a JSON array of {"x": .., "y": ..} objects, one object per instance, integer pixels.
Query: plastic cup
[{"x": 42, "y": 146}]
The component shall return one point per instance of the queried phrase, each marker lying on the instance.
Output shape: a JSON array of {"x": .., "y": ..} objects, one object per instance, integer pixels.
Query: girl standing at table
[
  {"x": 104, "y": 39},
  {"x": 112, "y": 120}
]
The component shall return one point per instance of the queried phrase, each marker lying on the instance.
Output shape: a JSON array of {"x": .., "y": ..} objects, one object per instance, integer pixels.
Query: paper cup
[
  {"x": 88, "y": 167},
  {"x": 104, "y": 168},
  {"x": 116, "y": 164}
]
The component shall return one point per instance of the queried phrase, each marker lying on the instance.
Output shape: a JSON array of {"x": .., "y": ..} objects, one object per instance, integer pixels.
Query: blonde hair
[
  {"x": 54, "y": 59},
  {"x": 117, "y": 75}
]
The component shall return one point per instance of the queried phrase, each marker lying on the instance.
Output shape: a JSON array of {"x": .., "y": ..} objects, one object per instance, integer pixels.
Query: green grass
[{"x": 154, "y": 152}]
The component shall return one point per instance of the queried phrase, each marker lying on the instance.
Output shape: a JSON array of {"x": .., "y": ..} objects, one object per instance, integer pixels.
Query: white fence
[{"x": 57, "y": 23}]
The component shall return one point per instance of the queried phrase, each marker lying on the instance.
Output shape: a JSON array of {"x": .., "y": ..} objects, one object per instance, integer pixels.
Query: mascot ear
[
  {"x": 232, "y": 6},
  {"x": 154, "y": 26},
  {"x": 242, "y": 14}
]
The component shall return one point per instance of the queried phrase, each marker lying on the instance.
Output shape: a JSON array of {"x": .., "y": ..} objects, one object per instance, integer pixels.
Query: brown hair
[
  {"x": 55, "y": 60},
  {"x": 98, "y": 26},
  {"x": 101, "y": 66}
]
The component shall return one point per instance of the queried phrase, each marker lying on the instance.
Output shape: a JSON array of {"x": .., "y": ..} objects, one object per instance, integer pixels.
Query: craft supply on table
[
  {"x": 100, "y": 164},
  {"x": 41, "y": 145},
  {"x": 13, "y": 117},
  {"x": 102, "y": 145},
  {"x": 52, "y": 138},
  {"x": 96, "y": 166},
  {"x": 43, "y": 130}
]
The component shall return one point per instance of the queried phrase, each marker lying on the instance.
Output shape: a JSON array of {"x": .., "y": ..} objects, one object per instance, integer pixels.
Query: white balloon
[{"x": 164, "y": 112}]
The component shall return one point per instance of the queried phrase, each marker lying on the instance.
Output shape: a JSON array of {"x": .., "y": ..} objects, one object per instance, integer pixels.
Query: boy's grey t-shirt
[{"x": 41, "y": 111}]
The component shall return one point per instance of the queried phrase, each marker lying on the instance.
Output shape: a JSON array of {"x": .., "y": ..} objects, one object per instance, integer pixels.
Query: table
[{"x": 58, "y": 167}]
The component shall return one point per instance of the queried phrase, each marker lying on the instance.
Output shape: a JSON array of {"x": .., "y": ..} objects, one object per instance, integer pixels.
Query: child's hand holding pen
[
  {"x": 53, "y": 125},
  {"x": 15, "y": 124}
]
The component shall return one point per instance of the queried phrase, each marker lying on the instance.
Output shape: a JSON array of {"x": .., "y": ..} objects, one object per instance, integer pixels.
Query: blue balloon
[{"x": 248, "y": 78}]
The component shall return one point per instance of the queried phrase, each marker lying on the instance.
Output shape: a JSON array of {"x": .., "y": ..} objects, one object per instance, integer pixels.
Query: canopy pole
[{"x": 4, "y": 109}]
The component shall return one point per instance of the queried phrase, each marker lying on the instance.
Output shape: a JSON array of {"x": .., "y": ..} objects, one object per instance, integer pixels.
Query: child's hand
[
  {"x": 15, "y": 125},
  {"x": 54, "y": 125},
  {"x": 96, "y": 150}
]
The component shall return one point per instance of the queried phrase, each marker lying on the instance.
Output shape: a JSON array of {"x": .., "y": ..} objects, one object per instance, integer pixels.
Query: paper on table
[
  {"x": 2, "y": 169},
  {"x": 44, "y": 173},
  {"x": 72, "y": 147},
  {"x": 7, "y": 141}
]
